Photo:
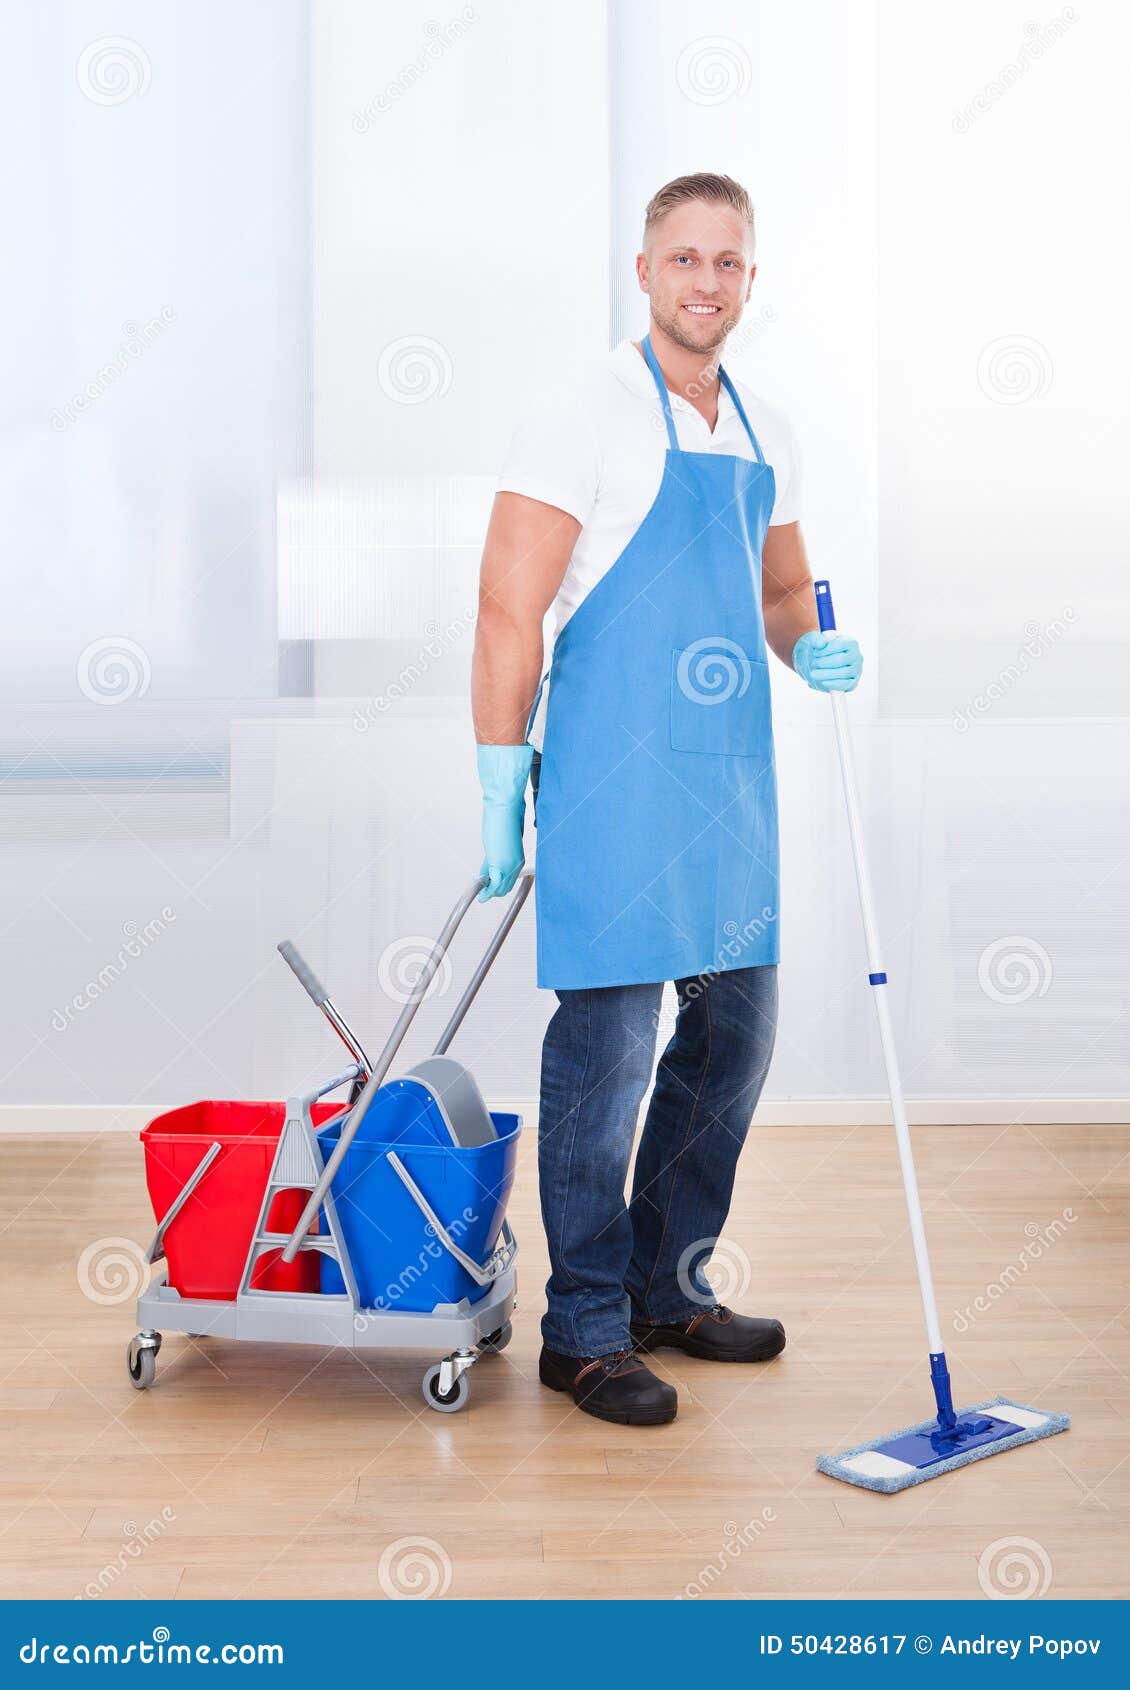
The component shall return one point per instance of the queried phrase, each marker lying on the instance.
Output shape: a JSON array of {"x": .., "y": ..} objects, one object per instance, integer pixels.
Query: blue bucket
[{"x": 398, "y": 1261}]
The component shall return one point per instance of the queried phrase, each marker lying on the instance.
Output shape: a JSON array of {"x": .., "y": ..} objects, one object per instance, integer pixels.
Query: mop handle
[{"x": 878, "y": 980}]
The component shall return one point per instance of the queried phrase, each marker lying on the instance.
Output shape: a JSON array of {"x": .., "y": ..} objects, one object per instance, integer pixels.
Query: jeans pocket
[{"x": 720, "y": 700}]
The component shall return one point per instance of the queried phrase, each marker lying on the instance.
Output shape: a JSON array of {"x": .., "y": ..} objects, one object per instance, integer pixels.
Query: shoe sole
[
  {"x": 644, "y": 1417},
  {"x": 701, "y": 1352}
]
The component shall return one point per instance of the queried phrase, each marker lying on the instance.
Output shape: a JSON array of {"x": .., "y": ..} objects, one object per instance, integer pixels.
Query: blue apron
[{"x": 657, "y": 853}]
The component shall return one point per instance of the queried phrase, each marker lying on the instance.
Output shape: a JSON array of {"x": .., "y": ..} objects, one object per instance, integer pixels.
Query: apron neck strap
[{"x": 661, "y": 388}]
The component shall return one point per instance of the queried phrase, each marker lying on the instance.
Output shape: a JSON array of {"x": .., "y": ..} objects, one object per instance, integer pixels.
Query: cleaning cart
[{"x": 377, "y": 1223}]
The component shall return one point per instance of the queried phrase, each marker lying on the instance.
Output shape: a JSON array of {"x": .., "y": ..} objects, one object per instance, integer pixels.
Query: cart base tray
[{"x": 280, "y": 1317}]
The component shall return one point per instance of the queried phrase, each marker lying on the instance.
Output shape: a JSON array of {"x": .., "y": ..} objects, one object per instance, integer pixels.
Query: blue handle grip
[{"x": 824, "y": 608}]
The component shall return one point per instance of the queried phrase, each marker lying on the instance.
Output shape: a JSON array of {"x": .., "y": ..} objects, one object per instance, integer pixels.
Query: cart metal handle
[
  {"x": 499, "y": 1259},
  {"x": 521, "y": 893},
  {"x": 156, "y": 1249},
  {"x": 396, "y": 1037}
]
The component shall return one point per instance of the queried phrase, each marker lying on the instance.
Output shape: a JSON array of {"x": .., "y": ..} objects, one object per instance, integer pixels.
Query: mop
[{"x": 951, "y": 1438}]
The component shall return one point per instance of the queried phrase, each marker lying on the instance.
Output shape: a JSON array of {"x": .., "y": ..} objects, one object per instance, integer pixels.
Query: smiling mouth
[{"x": 699, "y": 310}]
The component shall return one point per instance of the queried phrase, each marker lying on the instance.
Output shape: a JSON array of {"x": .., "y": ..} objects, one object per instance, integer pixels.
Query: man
[{"x": 657, "y": 508}]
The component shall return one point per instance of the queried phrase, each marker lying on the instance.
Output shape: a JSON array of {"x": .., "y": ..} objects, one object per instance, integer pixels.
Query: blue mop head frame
[{"x": 1040, "y": 1425}]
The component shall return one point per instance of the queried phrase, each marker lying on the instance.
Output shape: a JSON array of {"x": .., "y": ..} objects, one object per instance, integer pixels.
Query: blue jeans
[{"x": 612, "y": 1261}]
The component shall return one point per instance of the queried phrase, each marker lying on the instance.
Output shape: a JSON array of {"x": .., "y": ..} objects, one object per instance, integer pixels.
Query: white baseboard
[
  {"x": 772, "y": 1112},
  {"x": 81, "y": 1118}
]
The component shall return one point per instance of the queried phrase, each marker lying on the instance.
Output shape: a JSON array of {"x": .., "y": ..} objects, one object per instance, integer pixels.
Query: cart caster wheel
[
  {"x": 141, "y": 1360},
  {"x": 497, "y": 1340},
  {"x": 455, "y": 1399}
]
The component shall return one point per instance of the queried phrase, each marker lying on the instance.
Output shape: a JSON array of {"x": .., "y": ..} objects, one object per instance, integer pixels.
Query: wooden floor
[{"x": 258, "y": 1471}]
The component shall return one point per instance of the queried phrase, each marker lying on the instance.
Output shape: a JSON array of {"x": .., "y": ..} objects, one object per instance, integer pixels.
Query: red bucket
[{"x": 206, "y": 1246}]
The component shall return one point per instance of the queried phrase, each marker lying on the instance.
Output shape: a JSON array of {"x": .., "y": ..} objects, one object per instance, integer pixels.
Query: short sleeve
[
  {"x": 787, "y": 468},
  {"x": 554, "y": 457}
]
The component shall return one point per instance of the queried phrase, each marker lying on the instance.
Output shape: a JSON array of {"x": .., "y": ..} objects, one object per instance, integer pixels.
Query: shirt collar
[{"x": 631, "y": 368}]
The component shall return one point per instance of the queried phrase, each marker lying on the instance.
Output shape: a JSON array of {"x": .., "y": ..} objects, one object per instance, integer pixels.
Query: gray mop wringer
[{"x": 952, "y": 1438}]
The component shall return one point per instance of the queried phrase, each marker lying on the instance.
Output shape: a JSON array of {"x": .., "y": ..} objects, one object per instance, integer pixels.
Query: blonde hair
[{"x": 717, "y": 190}]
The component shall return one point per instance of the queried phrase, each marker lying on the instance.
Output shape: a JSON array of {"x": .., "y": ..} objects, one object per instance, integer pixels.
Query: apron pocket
[{"x": 720, "y": 701}]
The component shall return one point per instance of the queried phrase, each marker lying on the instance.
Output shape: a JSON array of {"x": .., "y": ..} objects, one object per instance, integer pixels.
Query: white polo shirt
[{"x": 597, "y": 450}]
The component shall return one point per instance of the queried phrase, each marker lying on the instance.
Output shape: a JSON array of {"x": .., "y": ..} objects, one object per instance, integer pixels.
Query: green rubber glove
[{"x": 503, "y": 773}]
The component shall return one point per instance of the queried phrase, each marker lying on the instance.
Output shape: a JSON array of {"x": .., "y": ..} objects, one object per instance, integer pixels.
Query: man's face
[{"x": 698, "y": 273}]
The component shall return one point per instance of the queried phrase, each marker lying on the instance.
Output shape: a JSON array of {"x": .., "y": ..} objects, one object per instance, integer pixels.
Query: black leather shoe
[
  {"x": 717, "y": 1334},
  {"x": 615, "y": 1387}
]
